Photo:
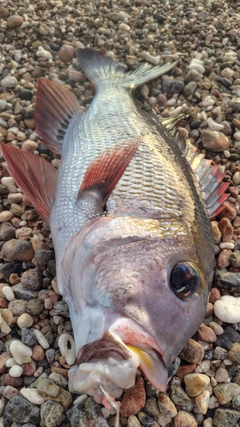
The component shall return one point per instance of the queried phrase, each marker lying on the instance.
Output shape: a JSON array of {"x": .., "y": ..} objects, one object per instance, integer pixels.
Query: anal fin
[{"x": 36, "y": 177}]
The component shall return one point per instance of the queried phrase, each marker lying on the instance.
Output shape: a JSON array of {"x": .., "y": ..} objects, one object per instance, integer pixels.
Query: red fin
[
  {"x": 54, "y": 109},
  {"x": 105, "y": 171},
  {"x": 36, "y": 177}
]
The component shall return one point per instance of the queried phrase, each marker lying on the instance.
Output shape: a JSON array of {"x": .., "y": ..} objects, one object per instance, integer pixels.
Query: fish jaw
[{"x": 117, "y": 372}]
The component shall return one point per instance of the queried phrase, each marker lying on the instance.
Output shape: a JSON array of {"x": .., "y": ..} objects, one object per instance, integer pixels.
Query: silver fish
[{"x": 129, "y": 214}]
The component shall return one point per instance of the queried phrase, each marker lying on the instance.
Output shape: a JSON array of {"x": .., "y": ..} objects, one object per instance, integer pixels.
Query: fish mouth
[{"x": 124, "y": 340}]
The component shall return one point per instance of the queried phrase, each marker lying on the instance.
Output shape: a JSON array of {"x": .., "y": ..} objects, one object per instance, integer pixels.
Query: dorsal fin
[
  {"x": 55, "y": 106},
  {"x": 36, "y": 177},
  {"x": 210, "y": 179},
  {"x": 208, "y": 175}
]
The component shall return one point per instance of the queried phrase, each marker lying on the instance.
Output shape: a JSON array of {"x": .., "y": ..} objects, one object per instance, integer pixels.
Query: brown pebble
[
  {"x": 206, "y": 334},
  {"x": 184, "y": 419},
  {"x": 229, "y": 211},
  {"x": 226, "y": 229},
  {"x": 185, "y": 369},
  {"x": 29, "y": 368},
  {"x": 3, "y": 302},
  {"x": 14, "y": 21},
  {"x": 3, "y": 358},
  {"x": 38, "y": 352},
  {"x": 134, "y": 399},
  {"x": 66, "y": 53},
  {"x": 3, "y": 12},
  {"x": 193, "y": 352},
  {"x": 13, "y": 381},
  {"x": 224, "y": 258},
  {"x": 214, "y": 295},
  {"x": 60, "y": 371},
  {"x": 214, "y": 140}
]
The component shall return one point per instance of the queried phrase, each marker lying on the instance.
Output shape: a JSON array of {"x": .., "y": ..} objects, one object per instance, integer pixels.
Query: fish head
[{"x": 150, "y": 289}]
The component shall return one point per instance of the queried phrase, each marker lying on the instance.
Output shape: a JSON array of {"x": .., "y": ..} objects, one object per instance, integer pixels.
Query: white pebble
[
  {"x": 236, "y": 135},
  {"x": 227, "y": 309},
  {"x": 124, "y": 27},
  {"x": 4, "y": 327},
  {"x": 208, "y": 101},
  {"x": 43, "y": 53},
  {"x": 149, "y": 58},
  {"x": 10, "y": 362},
  {"x": 80, "y": 399},
  {"x": 8, "y": 293},
  {"x": 197, "y": 64},
  {"x": 67, "y": 347},
  {"x": 16, "y": 371},
  {"x": 8, "y": 181},
  {"x": 32, "y": 395},
  {"x": 213, "y": 125},
  {"x": 226, "y": 245},
  {"x": 21, "y": 352},
  {"x": 41, "y": 339}
]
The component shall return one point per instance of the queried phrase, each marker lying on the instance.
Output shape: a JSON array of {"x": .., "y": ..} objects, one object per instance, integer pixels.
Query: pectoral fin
[{"x": 36, "y": 177}]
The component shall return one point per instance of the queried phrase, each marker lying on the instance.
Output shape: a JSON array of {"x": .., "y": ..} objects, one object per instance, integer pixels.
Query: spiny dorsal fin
[
  {"x": 98, "y": 66},
  {"x": 210, "y": 179},
  {"x": 55, "y": 106},
  {"x": 36, "y": 177}
]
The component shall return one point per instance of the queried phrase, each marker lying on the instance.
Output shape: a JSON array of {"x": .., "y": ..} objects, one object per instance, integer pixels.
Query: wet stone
[
  {"x": 225, "y": 417},
  {"x": 51, "y": 413},
  {"x": 87, "y": 414},
  {"x": 20, "y": 410}
]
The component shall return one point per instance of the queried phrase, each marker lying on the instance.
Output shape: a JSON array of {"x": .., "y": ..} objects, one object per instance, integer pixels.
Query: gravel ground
[{"x": 38, "y": 39}]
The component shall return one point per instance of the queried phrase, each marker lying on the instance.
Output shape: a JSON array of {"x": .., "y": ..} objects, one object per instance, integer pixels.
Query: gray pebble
[
  {"x": 189, "y": 89},
  {"x": 31, "y": 279},
  {"x": 21, "y": 292},
  {"x": 9, "y": 82},
  {"x": 20, "y": 410},
  {"x": 87, "y": 414},
  {"x": 28, "y": 337},
  {"x": 41, "y": 258},
  {"x": 7, "y": 231},
  {"x": 225, "y": 417},
  {"x": 227, "y": 279},
  {"x": 17, "y": 307},
  {"x": 172, "y": 86},
  {"x": 61, "y": 309},
  {"x": 228, "y": 337}
]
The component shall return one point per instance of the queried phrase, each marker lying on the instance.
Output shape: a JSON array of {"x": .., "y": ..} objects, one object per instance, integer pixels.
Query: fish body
[{"x": 131, "y": 232}]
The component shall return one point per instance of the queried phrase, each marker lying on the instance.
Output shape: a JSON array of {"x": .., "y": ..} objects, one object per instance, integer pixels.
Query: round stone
[
  {"x": 16, "y": 371},
  {"x": 66, "y": 53},
  {"x": 133, "y": 399},
  {"x": 20, "y": 352},
  {"x": 51, "y": 413},
  {"x": 226, "y": 391},
  {"x": 25, "y": 321},
  {"x": 14, "y": 21},
  {"x": 227, "y": 309},
  {"x": 17, "y": 250},
  {"x": 215, "y": 141},
  {"x": 32, "y": 396}
]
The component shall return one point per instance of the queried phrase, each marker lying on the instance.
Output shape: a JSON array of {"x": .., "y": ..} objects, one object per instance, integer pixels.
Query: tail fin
[{"x": 98, "y": 66}]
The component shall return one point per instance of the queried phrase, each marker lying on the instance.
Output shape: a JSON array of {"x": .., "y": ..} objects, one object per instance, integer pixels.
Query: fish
[{"x": 129, "y": 210}]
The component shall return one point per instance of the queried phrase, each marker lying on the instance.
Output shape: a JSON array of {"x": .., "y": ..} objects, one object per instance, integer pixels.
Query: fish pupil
[{"x": 184, "y": 279}]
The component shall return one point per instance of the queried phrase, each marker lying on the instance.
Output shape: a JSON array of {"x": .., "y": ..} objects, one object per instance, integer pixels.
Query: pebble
[
  {"x": 133, "y": 399},
  {"x": 215, "y": 141},
  {"x": 184, "y": 419},
  {"x": 32, "y": 279},
  {"x": 66, "y": 53},
  {"x": 51, "y": 414},
  {"x": 3, "y": 359},
  {"x": 167, "y": 409},
  {"x": 225, "y": 417},
  {"x": 16, "y": 371},
  {"x": 178, "y": 395},
  {"x": 234, "y": 353},
  {"x": 19, "y": 410},
  {"x": 14, "y": 21},
  {"x": 196, "y": 383},
  {"x": 7, "y": 231},
  {"x": 193, "y": 352},
  {"x": 227, "y": 309},
  {"x": 32, "y": 395},
  {"x": 6, "y": 216},
  {"x": 17, "y": 250},
  {"x": 20, "y": 352},
  {"x": 42, "y": 53},
  {"x": 226, "y": 391},
  {"x": 202, "y": 401},
  {"x": 226, "y": 229},
  {"x": 46, "y": 387},
  {"x": 9, "y": 392},
  {"x": 8, "y": 293},
  {"x": 213, "y": 125},
  {"x": 221, "y": 375},
  {"x": 206, "y": 334},
  {"x": 86, "y": 415},
  {"x": 67, "y": 348},
  {"x": 133, "y": 421},
  {"x": 41, "y": 339},
  {"x": 172, "y": 86},
  {"x": 9, "y": 82},
  {"x": 226, "y": 279},
  {"x": 25, "y": 321},
  {"x": 28, "y": 337},
  {"x": 38, "y": 352}
]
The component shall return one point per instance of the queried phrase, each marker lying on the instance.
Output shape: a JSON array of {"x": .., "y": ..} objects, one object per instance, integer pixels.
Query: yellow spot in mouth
[{"x": 144, "y": 357}]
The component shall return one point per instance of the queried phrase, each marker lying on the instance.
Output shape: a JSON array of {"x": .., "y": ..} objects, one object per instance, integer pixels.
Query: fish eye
[{"x": 185, "y": 279}]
